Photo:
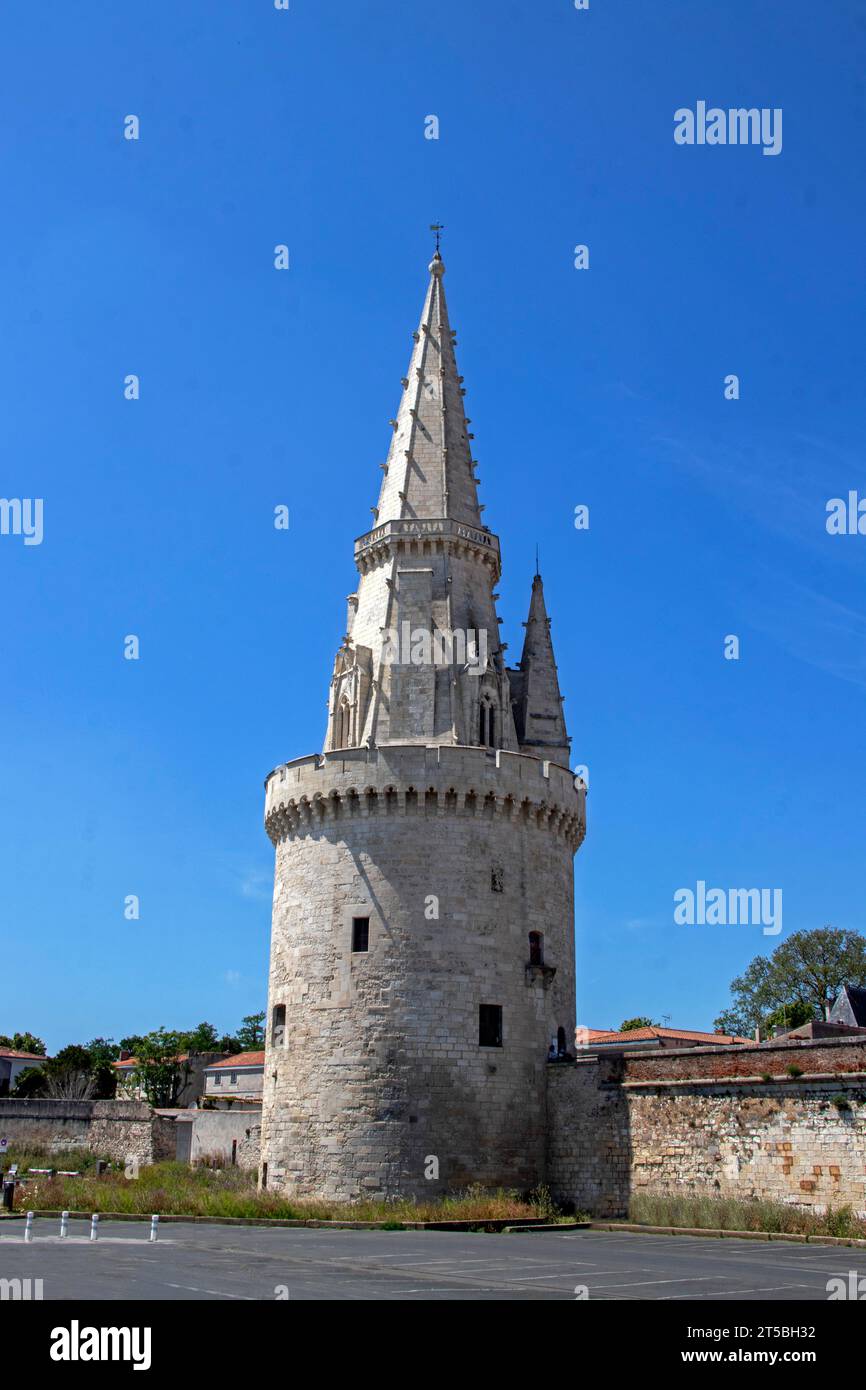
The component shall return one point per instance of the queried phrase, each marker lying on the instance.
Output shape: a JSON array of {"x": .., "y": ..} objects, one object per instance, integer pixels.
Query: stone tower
[{"x": 422, "y": 950}]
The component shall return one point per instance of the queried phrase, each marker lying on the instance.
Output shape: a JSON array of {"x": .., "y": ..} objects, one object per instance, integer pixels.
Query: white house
[
  {"x": 12, "y": 1064},
  {"x": 235, "y": 1081}
]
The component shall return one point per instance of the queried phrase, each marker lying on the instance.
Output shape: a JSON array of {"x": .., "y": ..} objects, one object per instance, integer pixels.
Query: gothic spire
[
  {"x": 429, "y": 471},
  {"x": 422, "y": 660}
]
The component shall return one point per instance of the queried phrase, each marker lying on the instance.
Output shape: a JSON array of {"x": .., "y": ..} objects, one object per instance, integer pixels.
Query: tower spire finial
[
  {"x": 537, "y": 570},
  {"x": 438, "y": 228}
]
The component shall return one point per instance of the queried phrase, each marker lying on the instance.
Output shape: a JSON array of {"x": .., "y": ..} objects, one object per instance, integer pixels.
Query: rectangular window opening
[
  {"x": 360, "y": 933},
  {"x": 490, "y": 1025}
]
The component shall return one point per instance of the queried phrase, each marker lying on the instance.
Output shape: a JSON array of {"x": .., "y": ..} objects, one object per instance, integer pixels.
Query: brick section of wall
[
  {"x": 113, "y": 1129},
  {"x": 689, "y": 1123},
  {"x": 823, "y": 1055}
]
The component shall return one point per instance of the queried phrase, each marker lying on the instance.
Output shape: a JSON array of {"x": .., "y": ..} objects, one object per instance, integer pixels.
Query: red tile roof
[
  {"x": 22, "y": 1056},
  {"x": 594, "y": 1035},
  {"x": 133, "y": 1061},
  {"x": 242, "y": 1059}
]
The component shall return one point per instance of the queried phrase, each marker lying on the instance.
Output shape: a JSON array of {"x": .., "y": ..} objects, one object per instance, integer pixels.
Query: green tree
[
  {"x": 790, "y": 1015},
  {"x": 629, "y": 1024},
  {"x": 24, "y": 1042},
  {"x": 159, "y": 1072},
  {"x": 201, "y": 1039},
  {"x": 251, "y": 1034},
  {"x": 70, "y": 1075},
  {"x": 808, "y": 970},
  {"x": 29, "y": 1083},
  {"x": 103, "y": 1051}
]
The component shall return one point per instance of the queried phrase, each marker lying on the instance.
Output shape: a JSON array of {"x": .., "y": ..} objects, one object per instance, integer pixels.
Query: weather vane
[{"x": 438, "y": 228}]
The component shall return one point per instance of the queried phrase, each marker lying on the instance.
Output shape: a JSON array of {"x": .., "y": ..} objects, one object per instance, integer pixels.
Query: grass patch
[
  {"x": 174, "y": 1189},
  {"x": 730, "y": 1214},
  {"x": 72, "y": 1160}
]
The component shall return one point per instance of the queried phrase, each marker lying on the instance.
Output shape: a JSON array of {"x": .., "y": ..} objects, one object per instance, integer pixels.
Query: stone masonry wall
[
  {"x": 113, "y": 1129},
  {"x": 380, "y": 1070},
  {"x": 215, "y": 1131},
  {"x": 704, "y": 1122}
]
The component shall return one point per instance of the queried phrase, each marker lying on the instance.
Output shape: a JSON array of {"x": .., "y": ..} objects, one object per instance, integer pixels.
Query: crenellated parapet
[{"x": 304, "y": 795}]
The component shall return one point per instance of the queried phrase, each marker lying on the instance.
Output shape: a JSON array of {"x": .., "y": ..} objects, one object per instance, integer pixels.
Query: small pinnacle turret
[{"x": 538, "y": 713}]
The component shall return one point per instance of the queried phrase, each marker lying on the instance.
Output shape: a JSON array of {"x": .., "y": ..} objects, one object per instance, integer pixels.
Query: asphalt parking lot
[{"x": 256, "y": 1263}]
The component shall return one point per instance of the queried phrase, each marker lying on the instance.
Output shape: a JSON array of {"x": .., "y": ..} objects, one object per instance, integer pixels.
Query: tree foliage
[
  {"x": 158, "y": 1070},
  {"x": 806, "y": 971},
  {"x": 76, "y": 1072},
  {"x": 251, "y": 1034},
  {"x": 23, "y": 1042}
]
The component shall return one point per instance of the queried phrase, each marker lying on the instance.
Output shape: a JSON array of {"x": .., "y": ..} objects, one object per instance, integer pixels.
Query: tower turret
[
  {"x": 538, "y": 713},
  {"x": 422, "y": 949}
]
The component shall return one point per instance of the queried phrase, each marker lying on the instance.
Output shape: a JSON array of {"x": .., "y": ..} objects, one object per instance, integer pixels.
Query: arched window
[
  {"x": 487, "y": 723},
  {"x": 536, "y": 948},
  {"x": 344, "y": 724}
]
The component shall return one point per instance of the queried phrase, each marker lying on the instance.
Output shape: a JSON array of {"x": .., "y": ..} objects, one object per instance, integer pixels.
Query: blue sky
[{"x": 602, "y": 387}]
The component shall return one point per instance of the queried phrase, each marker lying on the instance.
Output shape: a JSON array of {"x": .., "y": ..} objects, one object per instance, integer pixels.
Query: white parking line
[
  {"x": 216, "y": 1293},
  {"x": 738, "y": 1293}
]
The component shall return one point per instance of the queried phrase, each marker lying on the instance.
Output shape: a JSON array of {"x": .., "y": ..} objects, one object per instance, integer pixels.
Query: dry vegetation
[
  {"x": 178, "y": 1190},
  {"x": 728, "y": 1214}
]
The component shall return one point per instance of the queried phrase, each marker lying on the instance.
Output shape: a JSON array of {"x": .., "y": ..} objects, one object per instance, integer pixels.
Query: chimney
[{"x": 758, "y": 1033}]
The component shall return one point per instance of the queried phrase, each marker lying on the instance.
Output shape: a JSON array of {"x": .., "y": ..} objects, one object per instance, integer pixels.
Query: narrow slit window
[
  {"x": 536, "y": 948},
  {"x": 360, "y": 933},
  {"x": 278, "y": 1025}
]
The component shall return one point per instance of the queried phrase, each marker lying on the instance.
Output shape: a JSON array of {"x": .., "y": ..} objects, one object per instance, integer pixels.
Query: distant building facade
[
  {"x": 235, "y": 1080},
  {"x": 192, "y": 1066},
  {"x": 648, "y": 1039},
  {"x": 12, "y": 1064}
]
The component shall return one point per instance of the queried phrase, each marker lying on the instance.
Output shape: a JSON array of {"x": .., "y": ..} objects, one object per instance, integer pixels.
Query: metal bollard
[
  {"x": 28, "y": 1226},
  {"x": 154, "y": 1223},
  {"x": 64, "y": 1223},
  {"x": 94, "y": 1226}
]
